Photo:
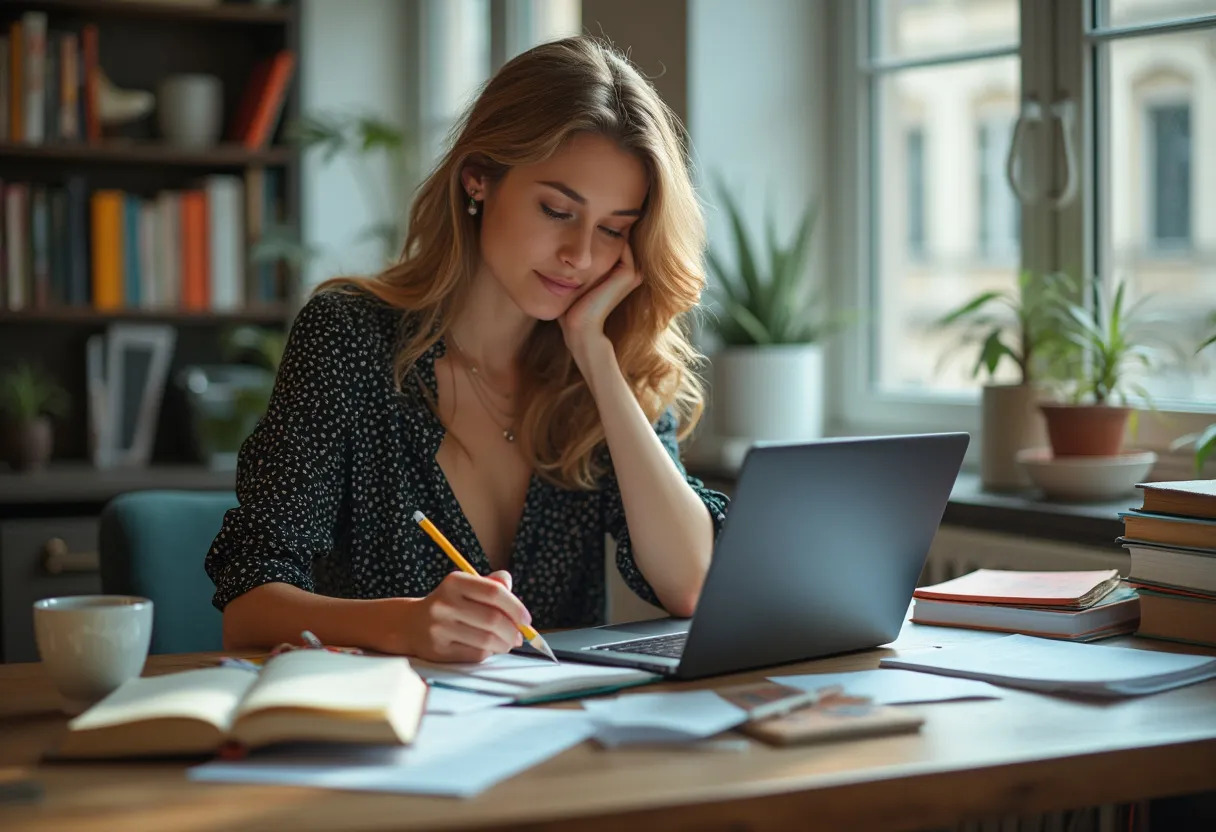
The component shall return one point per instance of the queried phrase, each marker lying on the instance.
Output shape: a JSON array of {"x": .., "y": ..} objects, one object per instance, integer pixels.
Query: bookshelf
[
  {"x": 222, "y": 156},
  {"x": 139, "y": 44}
]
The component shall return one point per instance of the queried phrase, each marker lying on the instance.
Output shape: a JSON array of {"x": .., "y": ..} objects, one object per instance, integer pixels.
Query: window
[
  {"x": 1153, "y": 220},
  {"x": 1117, "y": 100},
  {"x": 1169, "y": 169},
  {"x": 1000, "y": 215},
  {"x": 915, "y": 149}
]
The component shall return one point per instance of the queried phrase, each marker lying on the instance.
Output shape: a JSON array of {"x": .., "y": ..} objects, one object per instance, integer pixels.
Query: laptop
[{"x": 822, "y": 547}]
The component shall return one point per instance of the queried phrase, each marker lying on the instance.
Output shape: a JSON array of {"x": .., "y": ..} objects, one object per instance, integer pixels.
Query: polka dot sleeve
[
  {"x": 613, "y": 509},
  {"x": 292, "y": 471}
]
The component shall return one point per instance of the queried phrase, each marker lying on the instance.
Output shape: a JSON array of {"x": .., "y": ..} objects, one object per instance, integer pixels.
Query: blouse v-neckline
[{"x": 477, "y": 555}]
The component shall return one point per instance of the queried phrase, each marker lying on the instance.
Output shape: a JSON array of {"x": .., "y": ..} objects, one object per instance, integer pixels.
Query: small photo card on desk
[{"x": 834, "y": 717}]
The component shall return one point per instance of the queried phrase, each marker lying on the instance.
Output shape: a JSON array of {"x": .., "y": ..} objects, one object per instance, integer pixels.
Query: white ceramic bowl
[{"x": 1086, "y": 478}]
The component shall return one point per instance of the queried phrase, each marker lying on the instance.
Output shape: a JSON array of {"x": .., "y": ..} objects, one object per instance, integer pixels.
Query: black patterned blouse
[{"x": 330, "y": 478}]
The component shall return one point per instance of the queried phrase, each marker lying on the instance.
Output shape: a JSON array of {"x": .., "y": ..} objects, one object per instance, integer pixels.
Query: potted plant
[
  {"x": 1095, "y": 354},
  {"x": 28, "y": 400},
  {"x": 768, "y": 374},
  {"x": 1009, "y": 326},
  {"x": 226, "y": 400},
  {"x": 357, "y": 139}
]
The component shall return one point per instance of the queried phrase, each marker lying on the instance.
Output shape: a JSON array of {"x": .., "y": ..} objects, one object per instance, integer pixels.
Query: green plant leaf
[
  {"x": 745, "y": 260},
  {"x": 1204, "y": 447},
  {"x": 724, "y": 281},
  {"x": 748, "y": 322},
  {"x": 375, "y": 133},
  {"x": 967, "y": 309}
]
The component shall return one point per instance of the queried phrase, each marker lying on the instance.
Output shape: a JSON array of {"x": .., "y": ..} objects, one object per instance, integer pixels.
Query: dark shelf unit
[
  {"x": 247, "y": 13},
  {"x": 117, "y": 152},
  {"x": 269, "y": 315},
  {"x": 140, "y": 44}
]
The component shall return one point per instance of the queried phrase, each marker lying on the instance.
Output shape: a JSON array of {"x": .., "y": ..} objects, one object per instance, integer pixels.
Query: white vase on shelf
[{"x": 190, "y": 109}]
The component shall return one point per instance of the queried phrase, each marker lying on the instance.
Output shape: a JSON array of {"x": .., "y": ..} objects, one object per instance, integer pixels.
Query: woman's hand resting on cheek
[
  {"x": 467, "y": 618},
  {"x": 583, "y": 323}
]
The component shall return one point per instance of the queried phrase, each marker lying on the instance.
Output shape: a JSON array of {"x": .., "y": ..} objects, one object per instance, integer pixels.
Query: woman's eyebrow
[{"x": 582, "y": 200}]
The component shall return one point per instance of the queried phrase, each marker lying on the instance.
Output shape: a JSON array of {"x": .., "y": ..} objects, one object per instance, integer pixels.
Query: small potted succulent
[
  {"x": 28, "y": 400},
  {"x": 772, "y": 322},
  {"x": 1010, "y": 326}
]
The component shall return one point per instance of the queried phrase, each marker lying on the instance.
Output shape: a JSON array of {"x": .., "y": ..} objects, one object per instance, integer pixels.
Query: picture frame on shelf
[{"x": 127, "y": 368}]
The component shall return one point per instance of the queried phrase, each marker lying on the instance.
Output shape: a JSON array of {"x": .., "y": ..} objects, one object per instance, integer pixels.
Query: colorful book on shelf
[
  {"x": 1169, "y": 529},
  {"x": 262, "y": 101},
  {"x": 1185, "y": 498},
  {"x": 1063, "y": 590},
  {"x": 107, "y": 249}
]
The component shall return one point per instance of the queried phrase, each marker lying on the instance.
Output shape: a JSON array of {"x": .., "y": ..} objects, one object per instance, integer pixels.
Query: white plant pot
[
  {"x": 1010, "y": 422},
  {"x": 769, "y": 393}
]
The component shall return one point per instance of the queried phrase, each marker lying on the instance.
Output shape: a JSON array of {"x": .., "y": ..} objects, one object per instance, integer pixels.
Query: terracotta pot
[
  {"x": 28, "y": 444},
  {"x": 1085, "y": 430}
]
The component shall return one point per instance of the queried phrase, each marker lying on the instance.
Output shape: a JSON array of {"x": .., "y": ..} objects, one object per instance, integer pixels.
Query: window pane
[
  {"x": 1157, "y": 111},
  {"x": 946, "y": 225},
  {"x": 1131, "y": 12},
  {"x": 919, "y": 28}
]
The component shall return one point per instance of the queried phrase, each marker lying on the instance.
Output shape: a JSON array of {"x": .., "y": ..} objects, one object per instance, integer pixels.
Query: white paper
[
  {"x": 895, "y": 687},
  {"x": 662, "y": 717},
  {"x": 1045, "y": 664},
  {"x": 521, "y": 677},
  {"x": 453, "y": 756},
  {"x": 441, "y": 700}
]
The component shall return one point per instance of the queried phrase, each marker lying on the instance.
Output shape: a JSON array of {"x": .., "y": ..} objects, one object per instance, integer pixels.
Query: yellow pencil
[{"x": 530, "y": 635}]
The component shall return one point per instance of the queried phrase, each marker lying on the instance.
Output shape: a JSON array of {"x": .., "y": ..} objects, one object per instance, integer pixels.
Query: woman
[{"x": 520, "y": 376}]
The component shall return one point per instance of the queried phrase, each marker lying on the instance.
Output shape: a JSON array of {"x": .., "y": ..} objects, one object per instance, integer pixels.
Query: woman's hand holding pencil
[{"x": 469, "y": 618}]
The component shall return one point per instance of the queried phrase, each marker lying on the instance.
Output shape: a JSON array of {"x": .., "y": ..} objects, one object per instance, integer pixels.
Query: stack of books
[
  {"x": 1075, "y": 606},
  {"x": 1172, "y": 542}
]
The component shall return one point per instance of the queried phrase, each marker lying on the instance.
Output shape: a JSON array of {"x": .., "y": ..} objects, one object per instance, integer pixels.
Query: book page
[
  {"x": 209, "y": 694},
  {"x": 322, "y": 680}
]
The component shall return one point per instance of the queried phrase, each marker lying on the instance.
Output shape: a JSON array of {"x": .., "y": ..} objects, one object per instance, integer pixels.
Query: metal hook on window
[
  {"x": 1064, "y": 113},
  {"x": 1031, "y": 114}
]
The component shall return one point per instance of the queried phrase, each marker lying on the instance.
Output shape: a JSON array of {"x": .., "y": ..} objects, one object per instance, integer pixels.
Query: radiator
[{"x": 957, "y": 551}]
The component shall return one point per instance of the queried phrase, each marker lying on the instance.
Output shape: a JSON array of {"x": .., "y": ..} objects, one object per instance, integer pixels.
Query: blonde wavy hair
[{"x": 526, "y": 111}]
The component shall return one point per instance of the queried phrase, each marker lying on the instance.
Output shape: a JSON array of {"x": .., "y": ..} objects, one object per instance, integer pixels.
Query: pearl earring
[{"x": 472, "y": 209}]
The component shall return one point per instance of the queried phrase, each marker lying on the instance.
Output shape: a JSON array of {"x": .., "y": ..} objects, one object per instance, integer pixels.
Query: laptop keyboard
[{"x": 668, "y": 646}]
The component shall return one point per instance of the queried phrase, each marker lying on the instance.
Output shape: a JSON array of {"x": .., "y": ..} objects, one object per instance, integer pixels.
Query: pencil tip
[{"x": 540, "y": 644}]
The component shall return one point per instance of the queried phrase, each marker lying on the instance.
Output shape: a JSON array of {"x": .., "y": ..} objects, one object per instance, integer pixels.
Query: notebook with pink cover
[{"x": 1076, "y": 590}]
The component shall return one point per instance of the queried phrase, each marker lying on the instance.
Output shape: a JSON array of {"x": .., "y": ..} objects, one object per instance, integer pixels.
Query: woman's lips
[{"x": 557, "y": 287}]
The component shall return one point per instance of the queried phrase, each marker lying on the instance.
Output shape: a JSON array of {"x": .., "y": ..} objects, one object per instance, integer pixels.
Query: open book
[{"x": 307, "y": 695}]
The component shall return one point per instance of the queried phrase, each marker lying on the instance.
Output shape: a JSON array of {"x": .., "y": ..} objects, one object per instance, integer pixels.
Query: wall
[
  {"x": 654, "y": 35},
  {"x": 356, "y": 59}
]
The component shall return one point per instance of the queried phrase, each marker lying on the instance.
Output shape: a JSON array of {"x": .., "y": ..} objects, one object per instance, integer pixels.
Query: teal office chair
[{"x": 152, "y": 544}]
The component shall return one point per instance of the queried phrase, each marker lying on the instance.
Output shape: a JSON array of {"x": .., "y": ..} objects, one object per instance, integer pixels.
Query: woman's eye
[
  {"x": 612, "y": 232},
  {"x": 557, "y": 215}
]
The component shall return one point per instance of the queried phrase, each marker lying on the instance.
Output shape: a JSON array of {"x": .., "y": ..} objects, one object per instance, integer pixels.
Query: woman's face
[{"x": 551, "y": 231}]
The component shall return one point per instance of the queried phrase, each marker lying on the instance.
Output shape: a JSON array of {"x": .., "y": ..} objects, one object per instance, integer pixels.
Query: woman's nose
[{"x": 576, "y": 249}]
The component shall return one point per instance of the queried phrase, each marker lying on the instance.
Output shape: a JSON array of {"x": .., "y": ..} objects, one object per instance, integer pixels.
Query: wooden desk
[{"x": 1020, "y": 754}]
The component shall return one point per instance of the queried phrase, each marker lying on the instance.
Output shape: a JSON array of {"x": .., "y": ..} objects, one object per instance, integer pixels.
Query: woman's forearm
[
  {"x": 274, "y": 613},
  {"x": 669, "y": 526}
]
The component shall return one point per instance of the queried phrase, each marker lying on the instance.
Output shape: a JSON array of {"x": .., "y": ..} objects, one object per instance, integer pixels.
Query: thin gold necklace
[{"x": 482, "y": 389}]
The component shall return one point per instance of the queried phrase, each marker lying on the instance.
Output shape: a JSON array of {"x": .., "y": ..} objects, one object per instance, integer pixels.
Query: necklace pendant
[{"x": 508, "y": 435}]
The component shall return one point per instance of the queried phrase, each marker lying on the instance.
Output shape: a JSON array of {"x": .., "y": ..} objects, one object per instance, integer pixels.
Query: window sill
[{"x": 1022, "y": 513}]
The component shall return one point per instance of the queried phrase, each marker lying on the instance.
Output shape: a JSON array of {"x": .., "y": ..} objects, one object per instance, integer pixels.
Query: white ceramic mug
[
  {"x": 91, "y": 644},
  {"x": 190, "y": 109}
]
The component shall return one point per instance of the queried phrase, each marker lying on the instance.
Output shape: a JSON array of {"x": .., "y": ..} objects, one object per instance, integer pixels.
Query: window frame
[{"x": 1057, "y": 59}]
